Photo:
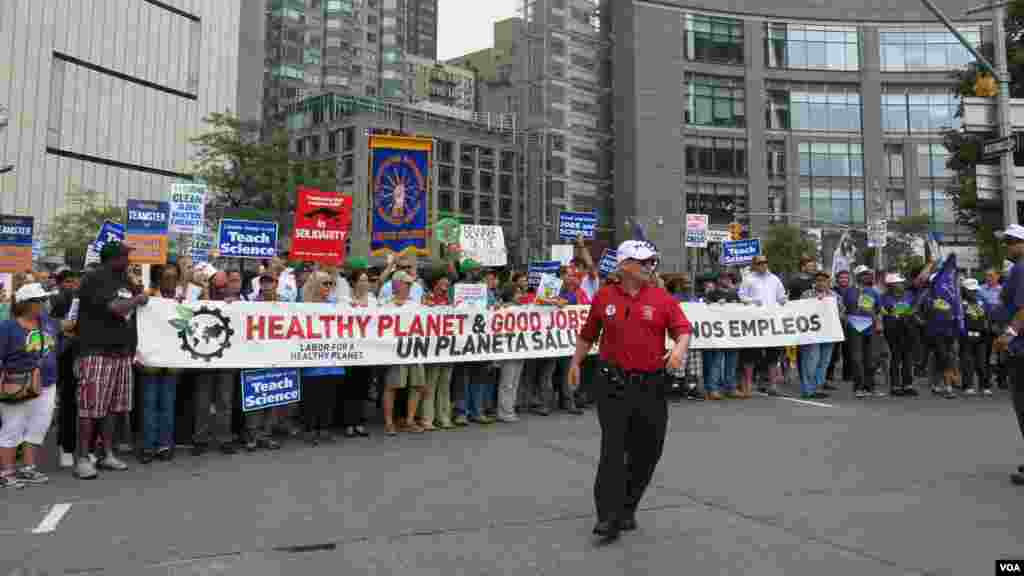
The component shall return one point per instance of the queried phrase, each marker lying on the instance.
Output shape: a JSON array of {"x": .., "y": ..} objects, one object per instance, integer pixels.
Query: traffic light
[
  {"x": 736, "y": 231},
  {"x": 985, "y": 86}
]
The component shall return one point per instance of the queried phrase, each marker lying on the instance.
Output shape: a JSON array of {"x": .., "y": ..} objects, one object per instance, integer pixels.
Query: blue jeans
[
  {"x": 814, "y": 360},
  {"x": 720, "y": 370},
  {"x": 476, "y": 385},
  {"x": 158, "y": 395}
]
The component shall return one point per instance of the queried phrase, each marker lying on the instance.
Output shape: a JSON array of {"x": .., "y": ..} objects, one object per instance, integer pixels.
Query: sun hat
[{"x": 30, "y": 292}]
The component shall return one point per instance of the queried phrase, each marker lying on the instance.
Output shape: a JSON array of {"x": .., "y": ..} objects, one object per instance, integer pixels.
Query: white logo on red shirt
[
  {"x": 609, "y": 311},
  {"x": 648, "y": 313}
]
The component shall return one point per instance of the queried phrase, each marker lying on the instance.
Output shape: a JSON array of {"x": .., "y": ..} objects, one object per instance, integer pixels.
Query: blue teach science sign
[
  {"x": 262, "y": 389},
  {"x": 740, "y": 252},
  {"x": 247, "y": 239},
  {"x": 573, "y": 224}
]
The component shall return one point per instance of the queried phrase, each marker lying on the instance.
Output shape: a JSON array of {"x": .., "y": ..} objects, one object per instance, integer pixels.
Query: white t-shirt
[{"x": 371, "y": 302}]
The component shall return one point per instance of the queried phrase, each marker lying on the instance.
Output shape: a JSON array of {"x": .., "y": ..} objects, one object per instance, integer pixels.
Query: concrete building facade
[
  {"x": 105, "y": 95},
  {"x": 440, "y": 83},
  {"x": 831, "y": 112},
  {"x": 475, "y": 176}
]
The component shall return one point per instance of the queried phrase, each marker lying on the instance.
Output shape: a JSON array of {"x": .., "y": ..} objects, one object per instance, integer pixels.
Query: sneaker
[
  {"x": 987, "y": 391},
  {"x": 461, "y": 420},
  {"x": 911, "y": 391},
  {"x": 861, "y": 394},
  {"x": 268, "y": 443},
  {"x": 85, "y": 469},
  {"x": 362, "y": 433},
  {"x": 896, "y": 392},
  {"x": 880, "y": 394},
  {"x": 29, "y": 475},
  {"x": 67, "y": 459},
  {"x": 11, "y": 481},
  {"x": 508, "y": 419},
  {"x": 949, "y": 394},
  {"x": 165, "y": 454},
  {"x": 937, "y": 390},
  {"x": 112, "y": 462},
  {"x": 714, "y": 396},
  {"x": 972, "y": 391}
]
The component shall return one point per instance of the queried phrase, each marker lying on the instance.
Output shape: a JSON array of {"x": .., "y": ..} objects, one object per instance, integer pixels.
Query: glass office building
[{"x": 824, "y": 115}]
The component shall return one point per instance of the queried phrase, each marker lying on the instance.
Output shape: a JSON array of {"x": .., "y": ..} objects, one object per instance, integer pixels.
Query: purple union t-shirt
[{"x": 1013, "y": 296}]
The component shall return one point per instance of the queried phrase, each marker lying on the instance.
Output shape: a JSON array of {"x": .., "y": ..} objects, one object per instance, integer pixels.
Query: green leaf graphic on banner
[
  {"x": 184, "y": 312},
  {"x": 179, "y": 324}
]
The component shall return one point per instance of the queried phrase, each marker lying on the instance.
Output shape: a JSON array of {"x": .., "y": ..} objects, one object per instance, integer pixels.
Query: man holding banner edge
[{"x": 632, "y": 319}]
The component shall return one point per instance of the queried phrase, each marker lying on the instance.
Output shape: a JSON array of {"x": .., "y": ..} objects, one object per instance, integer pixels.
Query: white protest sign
[
  {"x": 696, "y": 230},
  {"x": 472, "y": 295},
  {"x": 188, "y": 207},
  {"x": 550, "y": 287},
  {"x": 485, "y": 244},
  {"x": 563, "y": 253}
]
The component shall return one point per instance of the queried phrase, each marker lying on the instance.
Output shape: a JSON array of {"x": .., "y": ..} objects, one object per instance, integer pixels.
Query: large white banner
[{"x": 275, "y": 335}]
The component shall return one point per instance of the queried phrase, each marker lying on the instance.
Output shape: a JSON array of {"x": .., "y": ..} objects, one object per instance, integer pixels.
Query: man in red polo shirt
[{"x": 632, "y": 319}]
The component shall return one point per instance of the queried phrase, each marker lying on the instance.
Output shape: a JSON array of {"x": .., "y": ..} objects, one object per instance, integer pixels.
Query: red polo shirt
[{"x": 633, "y": 328}]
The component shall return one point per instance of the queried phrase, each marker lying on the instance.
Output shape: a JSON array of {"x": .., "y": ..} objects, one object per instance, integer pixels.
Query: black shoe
[
  {"x": 628, "y": 524},
  {"x": 228, "y": 449},
  {"x": 821, "y": 395},
  {"x": 830, "y": 386},
  {"x": 165, "y": 454},
  {"x": 608, "y": 531},
  {"x": 897, "y": 391},
  {"x": 146, "y": 457},
  {"x": 199, "y": 448},
  {"x": 911, "y": 391},
  {"x": 1017, "y": 478},
  {"x": 575, "y": 410}
]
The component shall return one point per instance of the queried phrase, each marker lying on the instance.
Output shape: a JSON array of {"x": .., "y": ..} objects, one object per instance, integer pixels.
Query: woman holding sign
[{"x": 320, "y": 385}]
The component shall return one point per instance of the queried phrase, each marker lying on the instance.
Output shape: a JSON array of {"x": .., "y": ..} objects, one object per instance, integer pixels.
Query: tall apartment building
[
  {"x": 821, "y": 113},
  {"x": 105, "y": 96},
  {"x": 356, "y": 47},
  {"x": 550, "y": 67}
]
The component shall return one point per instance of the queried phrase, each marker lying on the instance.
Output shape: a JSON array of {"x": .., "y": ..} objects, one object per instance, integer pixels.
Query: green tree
[
  {"x": 71, "y": 231},
  {"x": 247, "y": 169},
  {"x": 899, "y": 246},
  {"x": 784, "y": 245}
]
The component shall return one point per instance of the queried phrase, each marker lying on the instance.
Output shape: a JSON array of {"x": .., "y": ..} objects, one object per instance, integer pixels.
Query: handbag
[{"x": 16, "y": 387}]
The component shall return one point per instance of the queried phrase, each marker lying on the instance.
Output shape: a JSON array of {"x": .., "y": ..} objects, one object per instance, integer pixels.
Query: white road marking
[
  {"x": 798, "y": 400},
  {"x": 53, "y": 517}
]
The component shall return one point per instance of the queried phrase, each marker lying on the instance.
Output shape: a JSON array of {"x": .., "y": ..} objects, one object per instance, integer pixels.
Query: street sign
[{"x": 992, "y": 148}]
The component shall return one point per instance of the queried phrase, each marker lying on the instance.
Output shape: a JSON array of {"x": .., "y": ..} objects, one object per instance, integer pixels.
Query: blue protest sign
[
  {"x": 572, "y": 224},
  {"x": 147, "y": 218},
  {"x": 740, "y": 252},
  {"x": 263, "y": 389},
  {"x": 109, "y": 232},
  {"x": 537, "y": 269},
  {"x": 247, "y": 239},
  {"x": 608, "y": 263},
  {"x": 16, "y": 247}
]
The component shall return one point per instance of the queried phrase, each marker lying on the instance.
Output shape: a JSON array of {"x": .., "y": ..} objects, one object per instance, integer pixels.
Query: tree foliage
[
  {"x": 899, "y": 245},
  {"x": 247, "y": 169},
  {"x": 71, "y": 231},
  {"x": 784, "y": 245}
]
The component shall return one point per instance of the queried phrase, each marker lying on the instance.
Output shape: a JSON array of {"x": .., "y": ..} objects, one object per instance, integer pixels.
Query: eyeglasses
[{"x": 329, "y": 284}]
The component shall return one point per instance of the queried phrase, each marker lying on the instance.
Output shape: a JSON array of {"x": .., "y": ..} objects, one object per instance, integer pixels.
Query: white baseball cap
[
  {"x": 860, "y": 270},
  {"x": 635, "y": 250},
  {"x": 32, "y": 291},
  {"x": 1015, "y": 231},
  {"x": 894, "y": 278},
  {"x": 970, "y": 284},
  {"x": 1007, "y": 266}
]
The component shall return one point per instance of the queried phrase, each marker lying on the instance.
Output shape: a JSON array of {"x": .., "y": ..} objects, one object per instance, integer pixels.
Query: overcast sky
[{"x": 468, "y": 25}]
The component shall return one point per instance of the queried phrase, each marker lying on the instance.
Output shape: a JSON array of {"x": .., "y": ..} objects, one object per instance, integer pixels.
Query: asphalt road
[{"x": 765, "y": 486}]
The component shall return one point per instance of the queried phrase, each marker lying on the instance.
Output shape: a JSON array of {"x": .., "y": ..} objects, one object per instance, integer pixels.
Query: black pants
[
  {"x": 859, "y": 357},
  {"x": 900, "y": 337},
  {"x": 318, "y": 400},
  {"x": 633, "y": 417},
  {"x": 353, "y": 395},
  {"x": 67, "y": 389},
  {"x": 1016, "y": 379},
  {"x": 973, "y": 361}
]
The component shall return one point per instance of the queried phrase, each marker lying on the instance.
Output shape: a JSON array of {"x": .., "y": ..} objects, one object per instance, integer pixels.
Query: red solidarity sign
[{"x": 322, "y": 223}]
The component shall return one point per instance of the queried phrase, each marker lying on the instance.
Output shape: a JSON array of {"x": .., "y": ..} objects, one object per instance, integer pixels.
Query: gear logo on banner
[
  {"x": 400, "y": 185},
  {"x": 205, "y": 333}
]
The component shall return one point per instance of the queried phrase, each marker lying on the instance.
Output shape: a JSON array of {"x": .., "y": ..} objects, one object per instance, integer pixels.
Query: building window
[
  {"x": 710, "y": 39},
  {"x": 826, "y": 108},
  {"x": 903, "y": 50},
  {"x": 444, "y": 200},
  {"x": 894, "y": 159},
  {"x": 833, "y": 202},
  {"x": 486, "y": 207},
  {"x": 288, "y": 71},
  {"x": 831, "y": 159},
  {"x": 505, "y": 184},
  {"x": 466, "y": 203},
  {"x": 557, "y": 143},
  {"x": 486, "y": 182},
  {"x": 813, "y": 47},
  {"x": 720, "y": 201},
  {"x": 936, "y": 204},
  {"x": 505, "y": 206},
  {"x": 897, "y": 204},
  {"x": 466, "y": 155},
  {"x": 444, "y": 151},
  {"x": 300, "y": 147},
  {"x": 919, "y": 111},
  {"x": 446, "y": 176},
  {"x": 776, "y": 159},
  {"x": 777, "y": 110},
  {"x": 332, "y": 142},
  {"x": 931, "y": 161},
  {"x": 717, "y": 157},
  {"x": 314, "y": 144},
  {"x": 508, "y": 161},
  {"x": 556, "y": 165},
  {"x": 466, "y": 179},
  {"x": 347, "y": 167},
  {"x": 715, "y": 101},
  {"x": 350, "y": 139}
]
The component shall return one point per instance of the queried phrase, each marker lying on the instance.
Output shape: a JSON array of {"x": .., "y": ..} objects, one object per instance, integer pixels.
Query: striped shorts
[{"x": 104, "y": 385}]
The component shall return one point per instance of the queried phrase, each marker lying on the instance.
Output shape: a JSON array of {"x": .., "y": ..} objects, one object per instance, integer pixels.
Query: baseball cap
[
  {"x": 861, "y": 270},
  {"x": 32, "y": 291},
  {"x": 1015, "y": 231},
  {"x": 358, "y": 263},
  {"x": 113, "y": 250},
  {"x": 469, "y": 265},
  {"x": 894, "y": 278},
  {"x": 635, "y": 250},
  {"x": 970, "y": 284}
]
